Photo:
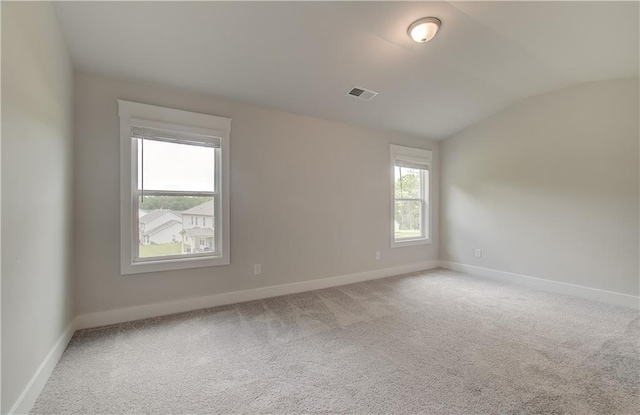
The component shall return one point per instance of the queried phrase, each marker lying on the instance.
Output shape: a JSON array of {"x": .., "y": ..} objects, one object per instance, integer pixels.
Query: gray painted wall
[
  {"x": 309, "y": 199},
  {"x": 549, "y": 188},
  {"x": 37, "y": 82}
]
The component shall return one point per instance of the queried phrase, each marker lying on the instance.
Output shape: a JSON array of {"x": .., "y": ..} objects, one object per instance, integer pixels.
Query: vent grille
[{"x": 362, "y": 93}]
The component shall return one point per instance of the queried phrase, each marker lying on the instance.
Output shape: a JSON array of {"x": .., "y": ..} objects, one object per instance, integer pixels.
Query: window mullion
[{"x": 176, "y": 193}]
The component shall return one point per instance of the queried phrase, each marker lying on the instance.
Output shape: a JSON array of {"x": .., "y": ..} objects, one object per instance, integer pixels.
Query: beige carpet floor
[{"x": 436, "y": 342}]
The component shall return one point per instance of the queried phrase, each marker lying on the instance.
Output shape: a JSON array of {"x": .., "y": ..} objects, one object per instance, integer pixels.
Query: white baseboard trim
[
  {"x": 188, "y": 304},
  {"x": 596, "y": 294},
  {"x": 28, "y": 397}
]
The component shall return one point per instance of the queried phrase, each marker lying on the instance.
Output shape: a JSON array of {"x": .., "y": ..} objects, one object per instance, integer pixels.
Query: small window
[
  {"x": 410, "y": 220},
  {"x": 177, "y": 169}
]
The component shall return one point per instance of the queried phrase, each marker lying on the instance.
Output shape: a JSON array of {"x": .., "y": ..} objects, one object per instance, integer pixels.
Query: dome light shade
[{"x": 424, "y": 30}]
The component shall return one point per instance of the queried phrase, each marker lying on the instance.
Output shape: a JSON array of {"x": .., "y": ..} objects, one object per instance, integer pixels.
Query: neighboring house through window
[
  {"x": 410, "y": 210},
  {"x": 195, "y": 235},
  {"x": 174, "y": 169}
]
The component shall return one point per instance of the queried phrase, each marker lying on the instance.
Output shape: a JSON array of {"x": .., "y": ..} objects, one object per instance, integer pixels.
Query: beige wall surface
[
  {"x": 549, "y": 188},
  {"x": 309, "y": 199},
  {"x": 37, "y": 82}
]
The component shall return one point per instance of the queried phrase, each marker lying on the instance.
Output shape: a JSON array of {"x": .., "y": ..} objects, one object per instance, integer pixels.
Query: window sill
[
  {"x": 409, "y": 242},
  {"x": 172, "y": 265}
]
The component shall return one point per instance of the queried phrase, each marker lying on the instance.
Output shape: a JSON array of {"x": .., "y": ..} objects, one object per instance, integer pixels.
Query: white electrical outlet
[
  {"x": 257, "y": 269},
  {"x": 377, "y": 255},
  {"x": 478, "y": 253}
]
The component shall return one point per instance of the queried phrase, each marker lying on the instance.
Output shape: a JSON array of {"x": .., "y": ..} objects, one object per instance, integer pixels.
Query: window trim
[
  {"x": 423, "y": 156},
  {"x": 131, "y": 113}
]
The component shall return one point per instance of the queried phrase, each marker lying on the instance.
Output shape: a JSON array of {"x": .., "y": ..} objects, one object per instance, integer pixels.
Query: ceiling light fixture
[{"x": 423, "y": 30}]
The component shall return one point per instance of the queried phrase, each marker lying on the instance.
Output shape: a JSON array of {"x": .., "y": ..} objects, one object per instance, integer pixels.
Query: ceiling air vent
[{"x": 362, "y": 93}]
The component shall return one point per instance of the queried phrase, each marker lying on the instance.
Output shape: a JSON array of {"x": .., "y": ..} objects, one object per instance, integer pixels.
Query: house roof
[
  {"x": 205, "y": 209},
  {"x": 155, "y": 214},
  {"x": 191, "y": 232},
  {"x": 163, "y": 226}
]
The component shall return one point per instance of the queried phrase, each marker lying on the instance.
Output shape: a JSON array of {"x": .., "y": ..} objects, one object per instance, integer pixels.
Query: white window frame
[
  {"x": 133, "y": 113},
  {"x": 424, "y": 157}
]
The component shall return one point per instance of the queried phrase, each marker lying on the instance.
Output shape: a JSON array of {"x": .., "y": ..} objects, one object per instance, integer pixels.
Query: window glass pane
[
  {"x": 168, "y": 226},
  {"x": 425, "y": 177},
  {"x": 408, "y": 219},
  {"x": 407, "y": 183},
  {"x": 172, "y": 166}
]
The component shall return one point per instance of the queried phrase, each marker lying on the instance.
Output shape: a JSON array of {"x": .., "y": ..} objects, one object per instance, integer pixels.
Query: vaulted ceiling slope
[{"x": 303, "y": 57}]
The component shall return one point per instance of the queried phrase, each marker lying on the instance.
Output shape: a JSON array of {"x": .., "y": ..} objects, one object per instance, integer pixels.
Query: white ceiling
[{"x": 303, "y": 57}]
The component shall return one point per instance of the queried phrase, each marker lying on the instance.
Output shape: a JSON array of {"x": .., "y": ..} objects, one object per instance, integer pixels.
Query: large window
[
  {"x": 174, "y": 176},
  {"x": 410, "y": 196}
]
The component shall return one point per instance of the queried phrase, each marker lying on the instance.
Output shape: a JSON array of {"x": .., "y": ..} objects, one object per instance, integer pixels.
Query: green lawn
[{"x": 160, "y": 249}]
